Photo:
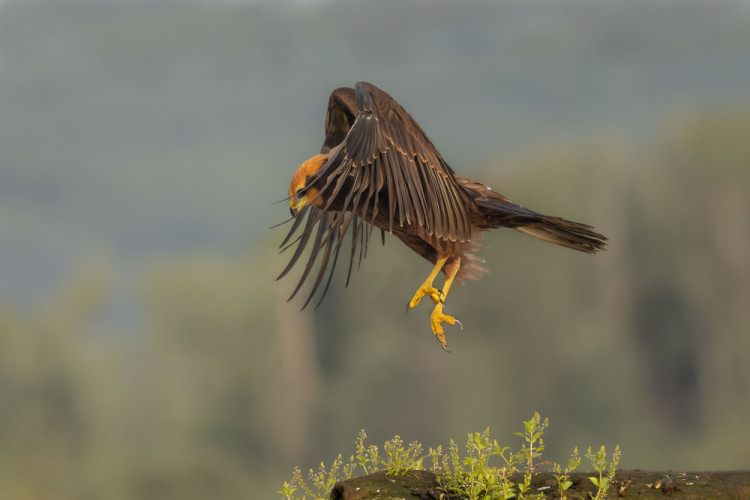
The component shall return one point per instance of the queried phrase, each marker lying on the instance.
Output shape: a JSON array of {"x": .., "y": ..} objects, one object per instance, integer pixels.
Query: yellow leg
[
  {"x": 427, "y": 288},
  {"x": 437, "y": 318}
]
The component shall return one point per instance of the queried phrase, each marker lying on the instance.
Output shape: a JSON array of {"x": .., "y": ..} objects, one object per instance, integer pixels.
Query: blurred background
[{"x": 146, "y": 350}]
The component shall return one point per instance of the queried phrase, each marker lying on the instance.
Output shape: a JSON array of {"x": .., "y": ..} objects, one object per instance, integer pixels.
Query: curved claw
[{"x": 437, "y": 318}]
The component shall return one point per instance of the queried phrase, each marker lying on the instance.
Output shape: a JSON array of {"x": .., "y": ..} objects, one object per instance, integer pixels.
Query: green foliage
[
  {"x": 321, "y": 481},
  {"x": 606, "y": 470},
  {"x": 531, "y": 448},
  {"x": 485, "y": 470},
  {"x": 473, "y": 475},
  {"x": 366, "y": 456},
  {"x": 400, "y": 459},
  {"x": 563, "y": 483}
]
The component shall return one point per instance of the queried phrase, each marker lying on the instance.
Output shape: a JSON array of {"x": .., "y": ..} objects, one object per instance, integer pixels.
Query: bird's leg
[
  {"x": 437, "y": 318},
  {"x": 427, "y": 288}
]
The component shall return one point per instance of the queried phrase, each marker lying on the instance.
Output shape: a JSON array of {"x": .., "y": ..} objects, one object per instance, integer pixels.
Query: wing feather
[
  {"x": 336, "y": 223},
  {"x": 342, "y": 111},
  {"x": 317, "y": 245},
  {"x": 378, "y": 157}
]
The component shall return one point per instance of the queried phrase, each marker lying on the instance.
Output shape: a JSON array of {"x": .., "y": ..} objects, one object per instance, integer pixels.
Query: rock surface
[{"x": 413, "y": 485}]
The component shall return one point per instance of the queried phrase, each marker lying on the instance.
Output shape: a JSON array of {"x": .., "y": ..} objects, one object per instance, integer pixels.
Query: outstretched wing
[
  {"x": 386, "y": 151},
  {"x": 384, "y": 160}
]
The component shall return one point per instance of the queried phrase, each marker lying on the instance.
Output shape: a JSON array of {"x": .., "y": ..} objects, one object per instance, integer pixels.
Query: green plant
[
  {"x": 400, "y": 459},
  {"x": 366, "y": 456},
  {"x": 600, "y": 464},
  {"x": 474, "y": 476},
  {"x": 322, "y": 481},
  {"x": 563, "y": 477},
  {"x": 533, "y": 445},
  {"x": 531, "y": 448},
  {"x": 484, "y": 471},
  {"x": 287, "y": 491}
]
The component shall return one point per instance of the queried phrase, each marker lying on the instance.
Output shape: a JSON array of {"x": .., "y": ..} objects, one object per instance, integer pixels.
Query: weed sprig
[{"x": 485, "y": 471}]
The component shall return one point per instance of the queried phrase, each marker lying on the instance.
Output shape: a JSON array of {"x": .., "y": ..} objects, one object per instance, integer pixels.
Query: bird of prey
[{"x": 377, "y": 168}]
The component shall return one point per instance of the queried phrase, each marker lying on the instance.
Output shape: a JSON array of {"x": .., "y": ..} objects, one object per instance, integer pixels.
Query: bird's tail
[
  {"x": 565, "y": 233},
  {"x": 498, "y": 211}
]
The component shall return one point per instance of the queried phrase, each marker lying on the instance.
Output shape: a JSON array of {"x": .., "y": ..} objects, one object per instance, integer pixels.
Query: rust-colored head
[{"x": 299, "y": 200}]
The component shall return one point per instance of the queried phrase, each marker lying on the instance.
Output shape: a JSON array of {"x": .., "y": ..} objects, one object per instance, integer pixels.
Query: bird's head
[{"x": 299, "y": 196}]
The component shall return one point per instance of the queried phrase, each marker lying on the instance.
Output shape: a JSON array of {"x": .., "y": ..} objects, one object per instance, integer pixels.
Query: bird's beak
[{"x": 300, "y": 200}]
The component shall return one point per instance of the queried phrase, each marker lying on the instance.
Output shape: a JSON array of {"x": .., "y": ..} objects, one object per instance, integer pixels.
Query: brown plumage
[{"x": 377, "y": 168}]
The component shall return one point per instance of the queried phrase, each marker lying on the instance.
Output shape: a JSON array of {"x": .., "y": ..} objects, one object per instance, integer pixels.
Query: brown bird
[{"x": 377, "y": 168}]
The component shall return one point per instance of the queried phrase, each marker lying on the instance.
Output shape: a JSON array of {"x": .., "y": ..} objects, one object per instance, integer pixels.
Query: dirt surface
[{"x": 730, "y": 485}]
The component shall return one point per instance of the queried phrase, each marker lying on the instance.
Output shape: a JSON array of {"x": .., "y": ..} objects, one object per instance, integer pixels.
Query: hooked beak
[{"x": 301, "y": 199}]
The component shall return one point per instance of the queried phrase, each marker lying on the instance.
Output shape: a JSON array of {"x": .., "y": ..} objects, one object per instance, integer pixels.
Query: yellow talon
[
  {"x": 427, "y": 288},
  {"x": 435, "y": 294},
  {"x": 436, "y": 319}
]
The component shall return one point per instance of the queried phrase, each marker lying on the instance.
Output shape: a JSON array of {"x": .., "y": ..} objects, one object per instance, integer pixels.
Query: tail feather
[
  {"x": 498, "y": 211},
  {"x": 565, "y": 233}
]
